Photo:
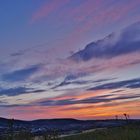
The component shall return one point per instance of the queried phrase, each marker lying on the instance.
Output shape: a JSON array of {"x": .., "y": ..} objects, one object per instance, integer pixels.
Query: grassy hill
[{"x": 130, "y": 132}]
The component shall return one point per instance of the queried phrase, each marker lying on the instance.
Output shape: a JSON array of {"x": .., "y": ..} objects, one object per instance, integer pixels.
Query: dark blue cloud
[
  {"x": 19, "y": 53},
  {"x": 14, "y": 105},
  {"x": 72, "y": 79},
  {"x": 20, "y": 75},
  {"x": 133, "y": 83},
  {"x": 103, "y": 80},
  {"x": 18, "y": 91},
  {"x": 71, "y": 101},
  {"x": 92, "y": 100},
  {"x": 107, "y": 99},
  {"x": 128, "y": 42},
  {"x": 117, "y": 91},
  {"x": 65, "y": 83}
]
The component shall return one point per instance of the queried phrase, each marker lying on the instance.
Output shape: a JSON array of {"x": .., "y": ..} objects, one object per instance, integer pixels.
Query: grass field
[{"x": 131, "y": 132}]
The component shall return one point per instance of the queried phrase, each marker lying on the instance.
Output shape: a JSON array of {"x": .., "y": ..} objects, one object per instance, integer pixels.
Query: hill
[{"x": 64, "y": 125}]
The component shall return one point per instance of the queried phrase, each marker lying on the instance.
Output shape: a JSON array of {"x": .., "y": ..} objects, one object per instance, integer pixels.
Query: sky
[{"x": 69, "y": 59}]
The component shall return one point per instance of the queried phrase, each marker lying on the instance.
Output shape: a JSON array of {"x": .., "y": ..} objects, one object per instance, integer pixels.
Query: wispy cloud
[
  {"x": 91, "y": 100},
  {"x": 133, "y": 83},
  {"x": 20, "y": 75},
  {"x": 18, "y": 91},
  {"x": 38, "y": 76},
  {"x": 47, "y": 9}
]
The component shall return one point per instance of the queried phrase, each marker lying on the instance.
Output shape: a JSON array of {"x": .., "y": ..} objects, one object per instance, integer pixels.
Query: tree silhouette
[
  {"x": 126, "y": 117},
  {"x": 116, "y": 117}
]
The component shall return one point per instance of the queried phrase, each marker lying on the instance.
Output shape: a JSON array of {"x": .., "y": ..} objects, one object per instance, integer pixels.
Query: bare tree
[
  {"x": 116, "y": 117},
  {"x": 126, "y": 117}
]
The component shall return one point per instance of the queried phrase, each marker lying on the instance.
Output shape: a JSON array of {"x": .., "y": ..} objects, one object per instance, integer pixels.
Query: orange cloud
[{"x": 79, "y": 111}]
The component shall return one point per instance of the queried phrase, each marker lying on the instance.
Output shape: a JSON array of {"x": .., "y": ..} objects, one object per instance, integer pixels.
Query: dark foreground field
[
  {"x": 130, "y": 132},
  {"x": 127, "y": 132}
]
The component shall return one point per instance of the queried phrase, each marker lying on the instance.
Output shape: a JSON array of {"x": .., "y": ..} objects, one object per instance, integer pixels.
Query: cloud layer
[
  {"x": 20, "y": 75},
  {"x": 113, "y": 45},
  {"x": 104, "y": 73}
]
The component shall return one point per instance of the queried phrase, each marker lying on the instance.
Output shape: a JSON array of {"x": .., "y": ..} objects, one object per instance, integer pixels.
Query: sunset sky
[{"x": 69, "y": 59}]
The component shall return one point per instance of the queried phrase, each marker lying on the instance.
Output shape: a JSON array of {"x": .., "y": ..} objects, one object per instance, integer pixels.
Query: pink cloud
[
  {"x": 108, "y": 15},
  {"x": 47, "y": 9},
  {"x": 93, "y": 18},
  {"x": 81, "y": 11},
  {"x": 94, "y": 111}
]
